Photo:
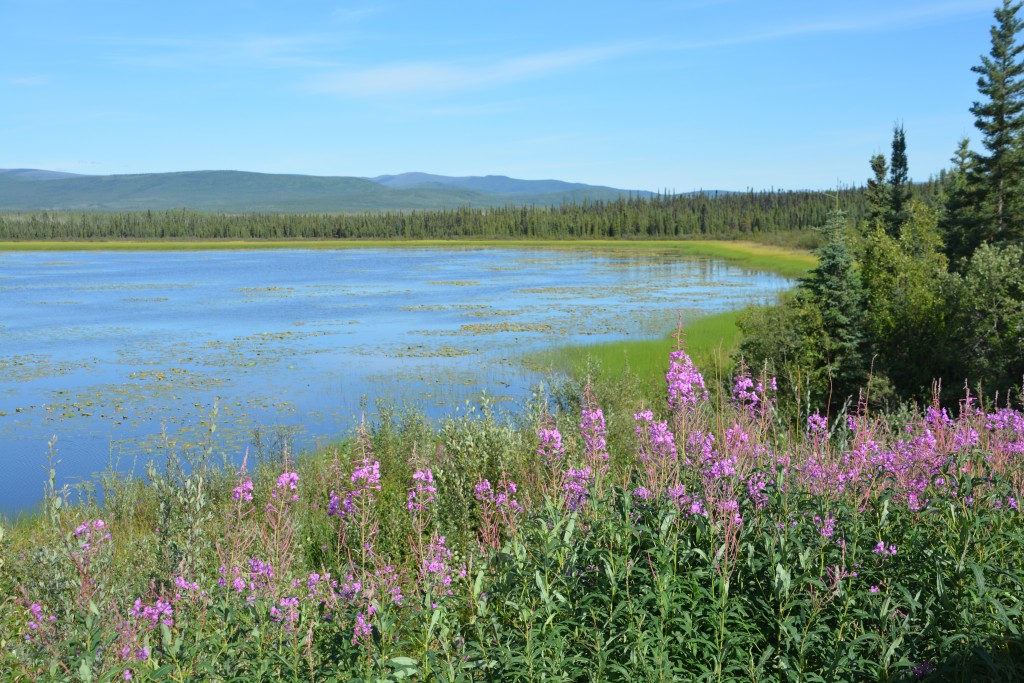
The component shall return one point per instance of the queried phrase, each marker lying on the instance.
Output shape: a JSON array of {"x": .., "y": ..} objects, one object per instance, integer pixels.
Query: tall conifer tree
[
  {"x": 877, "y": 194},
  {"x": 959, "y": 223},
  {"x": 834, "y": 288},
  {"x": 899, "y": 183},
  {"x": 1000, "y": 118}
]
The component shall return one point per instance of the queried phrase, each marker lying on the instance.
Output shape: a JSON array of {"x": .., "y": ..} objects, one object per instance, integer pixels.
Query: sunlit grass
[{"x": 710, "y": 341}]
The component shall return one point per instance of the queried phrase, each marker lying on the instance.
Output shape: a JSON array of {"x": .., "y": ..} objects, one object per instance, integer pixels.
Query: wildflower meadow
[{"x": 701, "y": 537}]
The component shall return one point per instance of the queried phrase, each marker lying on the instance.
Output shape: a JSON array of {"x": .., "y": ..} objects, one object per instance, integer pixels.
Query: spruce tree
[
  {"x": 1000, "y": 118},
  {"x": 834, "y": 288},
  {"x": 877, "y": 194},
  {"x": 959, "y": 222},
  {"x": 899, "y": 183}
]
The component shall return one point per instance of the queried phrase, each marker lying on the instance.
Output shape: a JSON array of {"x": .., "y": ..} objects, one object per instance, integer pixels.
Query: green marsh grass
[{"x": 710, "y": 340}]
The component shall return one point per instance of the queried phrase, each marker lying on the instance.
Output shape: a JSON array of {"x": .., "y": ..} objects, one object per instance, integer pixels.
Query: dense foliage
[
  {"x": 759, "y": 215},
  {"x": 937, "y": 295},
  {"x": 701, "y": 540}
]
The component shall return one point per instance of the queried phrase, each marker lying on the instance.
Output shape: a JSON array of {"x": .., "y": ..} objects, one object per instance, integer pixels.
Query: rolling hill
[{"x": 238, "y": 191}]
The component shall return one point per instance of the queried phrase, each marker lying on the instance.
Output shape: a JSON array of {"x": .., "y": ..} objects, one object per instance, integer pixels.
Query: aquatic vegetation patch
[
  {"x": 439, "y": 351},
  {"x": 31, "y": 367}
]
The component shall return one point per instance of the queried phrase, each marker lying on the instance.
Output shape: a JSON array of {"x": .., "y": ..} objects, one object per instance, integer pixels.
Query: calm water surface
[{"x": 122, "y": 354}]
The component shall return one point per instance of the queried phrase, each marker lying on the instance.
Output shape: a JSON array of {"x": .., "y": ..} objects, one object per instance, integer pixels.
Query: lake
[{"x": 120, "y": 354}]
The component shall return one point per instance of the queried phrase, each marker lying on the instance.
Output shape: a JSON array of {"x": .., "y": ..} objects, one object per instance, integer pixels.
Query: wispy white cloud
[
  {"x": 440, "y": 77},
  {"x": 432, "y": 76}
]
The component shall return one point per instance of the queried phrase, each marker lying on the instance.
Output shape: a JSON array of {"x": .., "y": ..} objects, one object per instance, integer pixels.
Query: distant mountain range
[{"x": 237, "y": 191}]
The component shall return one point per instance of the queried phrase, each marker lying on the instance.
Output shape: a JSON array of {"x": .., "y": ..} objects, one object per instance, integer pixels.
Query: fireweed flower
[
  {"x": 366, "y": 474},
  {"x": 731, "y": 508},
  {"x": 90, "y": 535},
  {"x": 289, "y": 615},
  {"x": 361, "y": 630},
  {"x": 595, "y": 434},
  {"x": 643, "y": 493},
  {"x": 288, "y": 481},
  {"x": 702, "y": 446},
  {"x": 817, "y": 425},
  {"x": 435, "y": 571},
  {"x": 422, "y": 493},
  {"x": 753, "y": 397},
  {"x": 243, "y": 491},
  {"x": 499, "y": 510},
  {"x": 185, "y": 587},
  {"x": 486, "y": 494},
  {"x": 883, "y": 549},
  {"x": 576, "y": 484},
  {"x": 364, "y": 480},
  {"x": 923, "y": 669},
  {"x": 36, "y": 610},
  {"x": 657, "y": 442},
  {"x": 756, "y": 486},
  {"x": 691, "y": 505},
  {"x": 826, "y": 527},
  {"x": 156, "y": 614},
  {"x": 40, "y": 627},
  {"x": 350, "y": 589},
  {"x": 388, "y": 582},
  {"x": 550, "y": 448},
  {"x": 685, "y": 383}
]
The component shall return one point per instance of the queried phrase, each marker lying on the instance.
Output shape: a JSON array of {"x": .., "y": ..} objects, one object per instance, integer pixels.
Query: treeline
[
  {"x": 913, "y": 298},
  {"x": 746, "y": 215}
]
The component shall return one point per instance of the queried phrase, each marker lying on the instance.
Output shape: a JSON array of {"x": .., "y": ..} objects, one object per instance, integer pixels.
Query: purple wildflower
[
  {"x": 576, "y": 484},
  {"x": 685, "y": 383},
  {"x": 595, "y": 434},
  {"x": 817, "y": 425},
  {"x": 422, "y": 493},
  {"x": 243, "y": 491},
  {"x": 550, "y": 448},
  {"x": 361, "y": 630},
  {"x": 882, "y": 549}
]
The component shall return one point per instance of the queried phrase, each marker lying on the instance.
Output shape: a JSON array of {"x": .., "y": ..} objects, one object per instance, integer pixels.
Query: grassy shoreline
[{"x": 709, "y": 340}]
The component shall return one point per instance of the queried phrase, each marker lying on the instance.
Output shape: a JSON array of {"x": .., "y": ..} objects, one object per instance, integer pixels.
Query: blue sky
[{"x": 649, "y": 94}]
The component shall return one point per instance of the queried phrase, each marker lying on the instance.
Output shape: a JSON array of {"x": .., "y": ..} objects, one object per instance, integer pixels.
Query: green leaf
[
  {"x": 783, "y": 580},
  {"x": 162, "y": 671},
  {"x": 402, "y": 661}
]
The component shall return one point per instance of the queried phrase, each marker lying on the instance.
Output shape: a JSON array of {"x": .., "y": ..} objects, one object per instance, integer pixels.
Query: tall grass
[{"x": 587, "y": 539}]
